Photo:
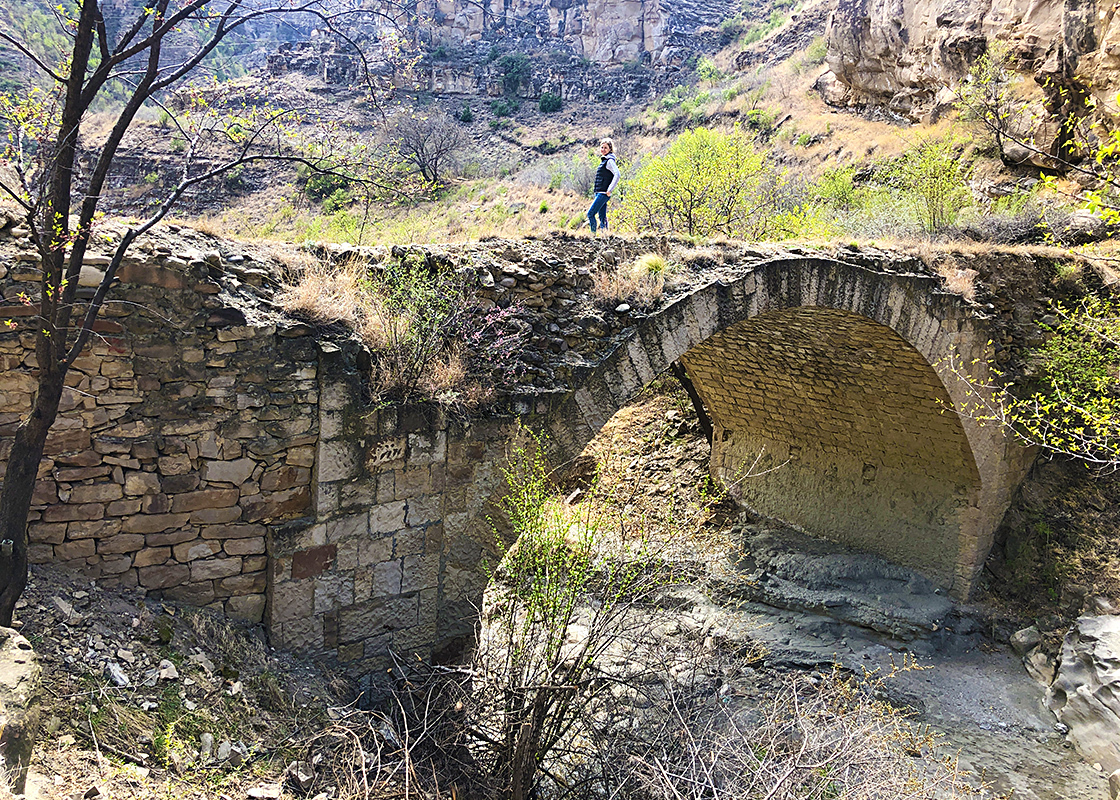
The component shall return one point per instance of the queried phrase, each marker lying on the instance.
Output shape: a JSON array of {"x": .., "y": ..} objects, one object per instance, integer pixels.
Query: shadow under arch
[{"x": 935, "y": 483}]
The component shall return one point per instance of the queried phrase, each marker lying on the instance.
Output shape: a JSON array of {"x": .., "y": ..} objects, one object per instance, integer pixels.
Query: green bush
[
  {"x": 318, "y": 186},
  {"x": 466, "y": 115},
  {"x": 516, "y": 69},
  {"x": 933, "y": 182},
  {"x": 710, "y": 183},
  {"x": 338, "y": 200},
  {"x": 761, "y": 119},
  {"x": 816, "y": 52},
  {"x": 1072, "y": 406},
  {"x": 707, "y": 71},
  {"x": 673, "y": 98},
  {"x": 761, "y": 30},
  {"x": 504, "y": 107},
  {"x": 837, "y": 189},
  {"x": 234, "y": 179},
  {"x": 551, "y": 102}
]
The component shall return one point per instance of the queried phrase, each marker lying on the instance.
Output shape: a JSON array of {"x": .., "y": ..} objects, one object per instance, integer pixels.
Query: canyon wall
[{"x": 907, "y": 55}]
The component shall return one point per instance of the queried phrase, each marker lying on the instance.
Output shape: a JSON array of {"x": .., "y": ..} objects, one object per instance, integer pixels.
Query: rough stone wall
[
  {"x": 396, "y": 557},
  {"x": 184, "y": 432}
]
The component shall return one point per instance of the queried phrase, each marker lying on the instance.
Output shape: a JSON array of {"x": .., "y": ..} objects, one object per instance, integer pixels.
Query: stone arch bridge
[{"x": 837, "y": 375}]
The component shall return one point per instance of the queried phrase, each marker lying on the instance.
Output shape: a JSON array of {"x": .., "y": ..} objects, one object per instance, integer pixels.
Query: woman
[{"x": 606, "y": 179}]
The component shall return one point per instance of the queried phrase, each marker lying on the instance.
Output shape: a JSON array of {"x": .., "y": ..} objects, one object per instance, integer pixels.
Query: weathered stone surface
[
  {"x": 155, "y": 523},
  {"x": 215, "y": 568},
  {"x": 236, "y": 472},
  {"x": 48, "y": 533},
  {"x": 198, "y": 594},
  {"x": 247, "y": 607},
  {"x": 206, "y": 499},
  {"x": 1085, "y": 694},
  {"x": 121, "y": 543},
  {"x": 151, "y": 556},
  {"x": 245, "y": 547},
  {"x": 19, "y": 706},
  {"x": 249, "y": 583},
  {"x": 312, "y": 562},
  {"x": 292, "y": 601},
  {"x": 141, "y": 483},
  {"x": 241, "y": 531},
  {"x": 72, "y": 550},
  {"x": 196, "y": 549},
  {"x": 160, "y": 577}
]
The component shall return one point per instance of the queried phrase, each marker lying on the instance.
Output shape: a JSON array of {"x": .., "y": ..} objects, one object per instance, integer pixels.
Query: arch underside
[{"x": 830, "y": 421}]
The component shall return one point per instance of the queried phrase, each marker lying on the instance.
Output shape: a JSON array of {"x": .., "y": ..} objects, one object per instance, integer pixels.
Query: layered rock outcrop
[
  {"x": 905, "y": 54},
  {"x": 569, "y": 42},
  {"x": 604, "y": 32}
]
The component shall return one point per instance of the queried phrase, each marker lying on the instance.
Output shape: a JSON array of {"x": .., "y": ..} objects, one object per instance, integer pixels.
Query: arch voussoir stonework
[{"x": 895, "y": 334}]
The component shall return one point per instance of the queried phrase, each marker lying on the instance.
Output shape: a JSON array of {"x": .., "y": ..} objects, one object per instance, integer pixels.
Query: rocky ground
[
  {"x": 145, "y": 699},
  {"x": 810, "y": 604}
]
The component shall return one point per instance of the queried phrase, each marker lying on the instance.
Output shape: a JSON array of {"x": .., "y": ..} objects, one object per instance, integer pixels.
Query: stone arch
[{"x": 938, "y": 482}]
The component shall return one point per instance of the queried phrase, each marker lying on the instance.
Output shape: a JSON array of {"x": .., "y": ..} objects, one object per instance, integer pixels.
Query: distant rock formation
[
  {"x": 571, "y": 44},
  {"x": 604, "y": 31}
]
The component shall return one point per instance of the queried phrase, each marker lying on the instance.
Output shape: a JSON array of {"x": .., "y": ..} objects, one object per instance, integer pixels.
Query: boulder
[
  {"x": 1085, "y": 694},
  {"x": 1022, "y": 642},
  {"x": 19, "y": 706}
]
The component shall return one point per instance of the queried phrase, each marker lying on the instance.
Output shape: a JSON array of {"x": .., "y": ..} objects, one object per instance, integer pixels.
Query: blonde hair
[{"x": 608, "y": 143}]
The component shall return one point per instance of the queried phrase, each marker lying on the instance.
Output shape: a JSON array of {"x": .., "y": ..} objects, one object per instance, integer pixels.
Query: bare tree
[
  {"x": 58, "y": 198},
  {"x": 431, "y": 143}
]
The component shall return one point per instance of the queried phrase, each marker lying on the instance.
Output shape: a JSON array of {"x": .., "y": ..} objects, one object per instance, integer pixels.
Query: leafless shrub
[
  {"x": 431, "y": 143},
  {"x": 816, "y": 737}
]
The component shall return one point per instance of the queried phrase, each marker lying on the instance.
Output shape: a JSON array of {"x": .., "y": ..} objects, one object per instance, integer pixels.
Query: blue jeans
[{"x": 598, "y": 207}]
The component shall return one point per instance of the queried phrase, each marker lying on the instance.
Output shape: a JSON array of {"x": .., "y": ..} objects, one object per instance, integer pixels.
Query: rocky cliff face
[
  {"x": 603, "y": 31},
  {"x": 908, "y": 54},
  {"x": 569, "y": 42}
]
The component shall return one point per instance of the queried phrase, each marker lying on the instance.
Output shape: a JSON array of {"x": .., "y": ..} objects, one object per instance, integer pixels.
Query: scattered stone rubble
[{"x": 113, "y": 653}]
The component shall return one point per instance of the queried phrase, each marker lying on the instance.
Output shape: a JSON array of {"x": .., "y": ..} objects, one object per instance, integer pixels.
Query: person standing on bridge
[{"x": 606, "y": 179}]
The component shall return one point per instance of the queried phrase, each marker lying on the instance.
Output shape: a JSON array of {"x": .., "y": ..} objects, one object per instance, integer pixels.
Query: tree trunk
[
  {"x": 681, "y": 375},
  {"x": 19, "y": 486}
]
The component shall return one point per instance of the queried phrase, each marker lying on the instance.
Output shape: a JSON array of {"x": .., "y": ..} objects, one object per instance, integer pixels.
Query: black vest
[{"x": 603, "y": 176}]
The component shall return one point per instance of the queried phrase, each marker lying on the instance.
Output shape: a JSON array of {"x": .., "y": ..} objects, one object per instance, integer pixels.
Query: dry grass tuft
[
  {"x": 961, "y": 282},
  {"x": 641, "y": 281},
  {"x": 326, "y": 293},
  {"x": 448, "y": 372}
]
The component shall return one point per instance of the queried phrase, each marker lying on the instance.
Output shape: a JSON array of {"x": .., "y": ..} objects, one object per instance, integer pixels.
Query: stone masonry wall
[
  {"x": 396, "y": 557},
  {"x": 184, "y": 434},
  {"x": 832, "y": 404}
]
